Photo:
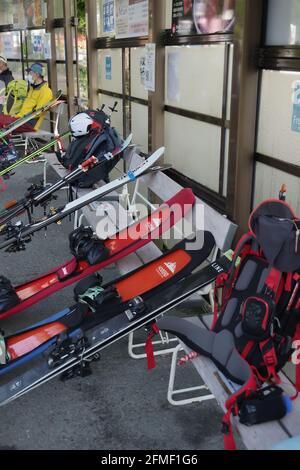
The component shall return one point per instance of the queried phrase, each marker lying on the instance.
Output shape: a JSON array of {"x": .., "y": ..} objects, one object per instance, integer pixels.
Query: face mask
[{"x": 29, "y": 79}]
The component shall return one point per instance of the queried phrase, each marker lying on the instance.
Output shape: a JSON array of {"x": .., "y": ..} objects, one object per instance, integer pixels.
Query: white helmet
[{"x": 80, "y": 124}]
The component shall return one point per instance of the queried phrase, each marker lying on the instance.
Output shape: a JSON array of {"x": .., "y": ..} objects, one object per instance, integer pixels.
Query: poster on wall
[
  {"x": 37, "y": 44},
  {"x": 132, "y": 18},
  {"x": 8, "y": 45},
  {"x": 108, "y": 16},
  {"x": 150, "y": 67},
  {"x": 47, "y": 46},
  {"x": 296, "y": 107},
  {"x": 203, "y": 16},
  {"x": 34, "y": 12},
  {"x": 108, "y": 68},
  {"x": 143, "y": 70},
  {"x": 173, "y": 85}
]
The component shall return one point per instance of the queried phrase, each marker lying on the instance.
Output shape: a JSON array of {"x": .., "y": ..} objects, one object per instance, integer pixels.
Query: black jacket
[{"x": 5, "y": 78}]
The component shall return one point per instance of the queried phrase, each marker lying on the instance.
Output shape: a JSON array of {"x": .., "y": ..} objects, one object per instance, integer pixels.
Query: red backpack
[{"x": 255, "y": 328}]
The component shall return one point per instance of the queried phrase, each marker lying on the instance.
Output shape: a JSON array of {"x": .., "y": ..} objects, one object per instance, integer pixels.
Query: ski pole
[{"x": 33, "y": 155}]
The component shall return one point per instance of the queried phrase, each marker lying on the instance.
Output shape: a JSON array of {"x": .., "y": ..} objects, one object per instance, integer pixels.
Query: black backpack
[{"x": 101, "y": 139}]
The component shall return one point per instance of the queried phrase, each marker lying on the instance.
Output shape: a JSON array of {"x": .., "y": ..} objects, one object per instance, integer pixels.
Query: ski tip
[
  {"x": 10, "y": 204},
  {"x": 158, "y": 153},
  {"x": 128, "y": 140}
]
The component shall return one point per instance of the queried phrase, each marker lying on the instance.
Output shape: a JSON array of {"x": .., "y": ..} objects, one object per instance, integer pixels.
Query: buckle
[{"x": 225, "y": 429}]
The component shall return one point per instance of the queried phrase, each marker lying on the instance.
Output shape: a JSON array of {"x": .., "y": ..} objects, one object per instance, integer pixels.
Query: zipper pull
[{"x": 297, "y": 240}]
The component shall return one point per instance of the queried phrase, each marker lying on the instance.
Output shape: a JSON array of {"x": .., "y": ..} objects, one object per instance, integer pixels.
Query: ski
[
  {"x": 145, "y": 294},
  {"x": 22, "y": 235},
  {"x": 70, "y": 178},
  {"x": 36, "y": 153},
  {"x": 23, "y": 120},
  {"x": 117, "y": 247}
]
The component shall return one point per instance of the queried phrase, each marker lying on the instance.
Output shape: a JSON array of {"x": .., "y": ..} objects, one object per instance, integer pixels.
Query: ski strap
[{"x": 149, "y": 346}]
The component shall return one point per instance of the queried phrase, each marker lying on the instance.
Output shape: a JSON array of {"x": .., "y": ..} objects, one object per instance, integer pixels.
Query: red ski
[{"x": 118, "y": 247}]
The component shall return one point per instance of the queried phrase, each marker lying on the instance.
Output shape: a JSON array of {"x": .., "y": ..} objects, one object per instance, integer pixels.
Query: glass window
[
  {"x": 12, "y": 12},
  {"x": 62, "y": 78},
  {"x": 59, "y": 9},
  {"x": 283, "y": 26},
  {"x": 10, "y": 45},
  {"x": 60, "y": 44},
  {"x": 16, "y": 68}
]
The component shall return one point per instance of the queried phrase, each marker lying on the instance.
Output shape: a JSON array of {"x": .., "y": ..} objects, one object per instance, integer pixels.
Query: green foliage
[{"x": 81, "y": 16}]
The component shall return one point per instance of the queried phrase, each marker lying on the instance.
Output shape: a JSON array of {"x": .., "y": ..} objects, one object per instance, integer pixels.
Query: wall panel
[
  {"x": 269, "y": 181},
  {"x": 139, "y": 125},
  {"x": 275, "y": 136},
  {"x": 115, "y": 83},
  {"x": 193, "y": 148},
  {"x": 199, "y": 72}
]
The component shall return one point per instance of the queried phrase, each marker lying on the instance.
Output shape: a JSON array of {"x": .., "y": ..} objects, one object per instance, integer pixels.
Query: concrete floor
[{"x": 121, "y": 406}]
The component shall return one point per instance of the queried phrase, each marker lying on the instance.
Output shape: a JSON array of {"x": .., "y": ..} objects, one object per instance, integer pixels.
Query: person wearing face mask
[
  {"x": 39, "y": 94},
  {"x": 5, "y": 78}
]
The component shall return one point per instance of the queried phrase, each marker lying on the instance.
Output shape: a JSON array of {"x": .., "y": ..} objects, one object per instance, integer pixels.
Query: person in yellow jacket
[{"x": 39, "y": 94}]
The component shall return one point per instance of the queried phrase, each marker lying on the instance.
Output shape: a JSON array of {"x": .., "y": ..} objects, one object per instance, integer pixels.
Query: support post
[
  {"x": 244, "y": 99},
  {"x": 91, "y": 10},
  {"x": 156, "y": 100},
  {"x": 69, "y": 56},
  {"x": 52, "y": 61}
]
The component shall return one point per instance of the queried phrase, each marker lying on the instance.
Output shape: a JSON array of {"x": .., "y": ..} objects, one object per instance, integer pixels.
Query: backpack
[
  {"x": 8, "y": 154},
  {"x": 258, "y": 322},
  {"x": 16, "y": 93},
  {"x": 101, "y": 139}
]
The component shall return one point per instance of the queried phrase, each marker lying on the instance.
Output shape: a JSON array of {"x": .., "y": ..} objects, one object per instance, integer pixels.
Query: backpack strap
[{"x": 226, "y": 281}]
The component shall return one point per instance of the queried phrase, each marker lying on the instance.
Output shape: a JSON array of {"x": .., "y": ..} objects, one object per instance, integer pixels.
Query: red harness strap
[
  {"x": 149, "y": 346},
  {"x": 270, "y": 359}
]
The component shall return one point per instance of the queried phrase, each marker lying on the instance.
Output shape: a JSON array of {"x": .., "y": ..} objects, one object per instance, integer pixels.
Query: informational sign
[
  {"x": 108, "y": 16},
  {"x": 132, "y": 18},
  {"x": 108, "y": 67},
  {"x": 203, "y": 16},
  {"x": 37, "y": 44},
  {"x": 8, "y": 45},
  {"x": 47, "y": 46},
  {"x": 173, "y": 85},
  {"x": 296, "y": 107},
  {"x": 150, "y": 67},
  {"x": 143, "y": 69}
]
